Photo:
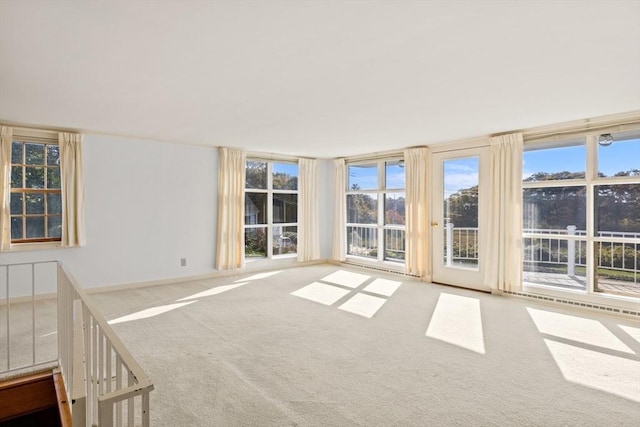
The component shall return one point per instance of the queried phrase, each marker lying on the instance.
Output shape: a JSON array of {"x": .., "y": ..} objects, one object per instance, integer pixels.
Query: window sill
[{"x": 22, "y": 247}]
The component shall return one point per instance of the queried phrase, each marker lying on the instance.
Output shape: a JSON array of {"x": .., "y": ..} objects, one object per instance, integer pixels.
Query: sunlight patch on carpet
[
  {"x": 457, "y": 320},
  {"x": 383, "y": 287},
  {"x": 631, "y": 331},
  {"x": 574, "y": 328},
  {"x": 363, "y": 305},
  {"x": 149, "y": 312},
  {"x": 346, "y": 278},
  {"x": 600, "y": 371},
  {"x": 321, "y": 293},
  {"x": 213, "y": 291},
  {"x": 259, "y": 276}
]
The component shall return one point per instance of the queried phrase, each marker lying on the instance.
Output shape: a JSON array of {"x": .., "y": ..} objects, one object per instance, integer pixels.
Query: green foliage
[{"x": 255, "y": 174}]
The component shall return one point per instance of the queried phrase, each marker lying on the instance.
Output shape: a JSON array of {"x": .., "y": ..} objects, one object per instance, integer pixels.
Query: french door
[{"x": 459, "y": 217}]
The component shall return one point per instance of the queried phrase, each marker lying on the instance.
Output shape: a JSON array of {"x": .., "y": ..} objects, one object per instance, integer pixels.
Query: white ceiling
[{"x": 316, "y": 78}]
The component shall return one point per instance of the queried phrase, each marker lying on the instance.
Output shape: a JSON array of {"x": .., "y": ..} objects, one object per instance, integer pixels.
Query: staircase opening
[{"x": 36, "y": 399}]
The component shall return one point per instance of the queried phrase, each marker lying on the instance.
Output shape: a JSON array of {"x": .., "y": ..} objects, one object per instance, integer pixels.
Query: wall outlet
[{"x": 183, "y": 262}]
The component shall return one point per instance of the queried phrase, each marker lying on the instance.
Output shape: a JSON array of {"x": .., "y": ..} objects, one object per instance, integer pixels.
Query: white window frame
[
  {"x": 590, "y": 182},
  {"x": 39, "y": 136},
  {"x": 270, "y": 191},
  {"x": 380, "y": 225}
]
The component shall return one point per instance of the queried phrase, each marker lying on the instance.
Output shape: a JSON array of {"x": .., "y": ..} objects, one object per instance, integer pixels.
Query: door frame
[{"x": 454, "y": 275}]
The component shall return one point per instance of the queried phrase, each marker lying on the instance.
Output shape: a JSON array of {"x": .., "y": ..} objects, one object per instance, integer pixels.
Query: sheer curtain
[
  {"x": 418, "y": 223},
  {"x": 72, "y": 179},
  {"x": 339, "y": 225},
  {"x": 230, "y": 235},
  {"x": 308, "y": 225},
  {"x": 6, "y": 136},
  {"x": 504, "y": 255}
]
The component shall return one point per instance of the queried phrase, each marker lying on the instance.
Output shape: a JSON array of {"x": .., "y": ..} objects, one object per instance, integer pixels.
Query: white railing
[
  {"x": 114, "y": 389},
  {"x": 460, "y": 243},
  {"x": 363, "y": 241},
  {"x": 569, "y": 247},
  {"x": 24, "y": 344}
]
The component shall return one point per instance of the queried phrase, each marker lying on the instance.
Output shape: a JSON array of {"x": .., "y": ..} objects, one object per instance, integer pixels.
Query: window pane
[
  {"x": 617, "y": 210},
  {"x": 362, "y": 241},
  {"x": 618, "y": 270},
  {"x": 461, "y": 177},
  {"x": 16, "y": 228},
  {"x": 362, "y": 208},
  {"x": 285, "y": 208},
  {"x": 554, "y": 163},
  {"x": 255, "y": 242},
  {"x": 16, "y": 152},
  {"x": 53, "y": 178},
  {"x": 54, "y": 224},
  {"x": 285, "y": 240},
  {"x": 363, "y": 177},
  {"x": 554, "y": 208},
  {"x": 34, "y": 154},
  {"x": 34, "y": 177},
  {"x": 394, "y": 175},
  {"x": 16, "y": 204},
  {"x": 621, "y": 158},
  {"x": 394, "y": 212},
  {"x": 35, "y": 227},
  {"x": 53, "y": 155},
  {"x": 555, "y": 261},
  {"x": 34, "y": 203},
  {"x": 285, "y": 176},
  {"x": 255, "y": 208},
  {"x": 54, "y": 204},
  {"x": 16, "y": 177},
  {"x": 256, "y": 174},
  {"x": 394, "y": 245}
]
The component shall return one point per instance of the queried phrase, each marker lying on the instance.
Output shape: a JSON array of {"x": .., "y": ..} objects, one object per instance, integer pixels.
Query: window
[
  {"x": 271, "y": 209},
  {"x": 36, "y": 200},
  {"x": 581, "y": 214},
  {"x": 376, "y": 210}
]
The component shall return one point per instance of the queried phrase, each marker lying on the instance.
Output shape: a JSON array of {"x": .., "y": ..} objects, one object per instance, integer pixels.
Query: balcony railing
[{"x": 107, "y": 384}]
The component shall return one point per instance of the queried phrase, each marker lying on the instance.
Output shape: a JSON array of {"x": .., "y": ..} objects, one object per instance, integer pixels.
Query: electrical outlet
[{"x": 183, "y": 262}]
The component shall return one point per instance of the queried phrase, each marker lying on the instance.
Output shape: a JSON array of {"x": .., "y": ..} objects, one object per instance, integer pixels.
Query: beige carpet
[{"x": 329, "y": 346}]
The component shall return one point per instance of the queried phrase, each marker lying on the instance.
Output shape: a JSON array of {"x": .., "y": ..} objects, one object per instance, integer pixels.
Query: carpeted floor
[{"x": 329, "y": 346}]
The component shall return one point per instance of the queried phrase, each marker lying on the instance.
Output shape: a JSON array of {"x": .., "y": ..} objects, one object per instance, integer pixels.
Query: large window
[
  {"x": 376, "y": 210},
  {"x": 581, "y": 206},
  {"x": 271, "y": 209},
  {"x": 35, "y": 204}
]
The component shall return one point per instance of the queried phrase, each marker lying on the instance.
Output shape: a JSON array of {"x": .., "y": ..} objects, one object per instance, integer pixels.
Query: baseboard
[
  {"x": 575, "y": 303},
  {"x": 208, "y": 276}
]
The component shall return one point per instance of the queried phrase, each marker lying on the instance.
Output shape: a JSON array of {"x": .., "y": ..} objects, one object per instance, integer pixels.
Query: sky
[
  {"x": 619, "y": 156},
  {"x": 463, "y": 173},
  {"x": 286, "y": 168}
]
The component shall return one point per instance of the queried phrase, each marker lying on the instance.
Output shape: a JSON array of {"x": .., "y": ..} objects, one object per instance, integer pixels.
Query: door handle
[{"x": 434, "y": 224}]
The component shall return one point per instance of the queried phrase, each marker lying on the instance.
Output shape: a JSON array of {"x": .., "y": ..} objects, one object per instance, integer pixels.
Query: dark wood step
[{"x": 34, "y": 400}]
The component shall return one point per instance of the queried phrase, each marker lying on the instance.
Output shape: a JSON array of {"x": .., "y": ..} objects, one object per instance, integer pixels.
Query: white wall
[
  {"x": 326, "y": 206},
  {"x": 148, "y": 204}
]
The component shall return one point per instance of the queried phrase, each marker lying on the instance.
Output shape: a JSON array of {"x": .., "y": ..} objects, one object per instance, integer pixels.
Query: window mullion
[{"x": 591, "y": 176}]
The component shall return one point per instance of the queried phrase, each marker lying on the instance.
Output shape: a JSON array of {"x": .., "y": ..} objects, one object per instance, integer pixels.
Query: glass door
[{"x": 458, "y": 227}]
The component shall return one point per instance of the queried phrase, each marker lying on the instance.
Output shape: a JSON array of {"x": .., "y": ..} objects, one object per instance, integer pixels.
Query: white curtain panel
[
  {"x": 6, "y": 136},
  {"x": 418, "y": 223},
  {"x": 308, "y": 221},
  {"x": 504, "y": 254},
  {"x": 72, "y": 179},
  {"x": 230, "y": 235},
  {"x": 339, "y": 226}
]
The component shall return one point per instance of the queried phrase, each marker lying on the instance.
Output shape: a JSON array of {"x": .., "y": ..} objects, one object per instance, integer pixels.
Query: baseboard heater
[
  {"x": 558, "y": 300},
  {"x": 575, "y": 303}
]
